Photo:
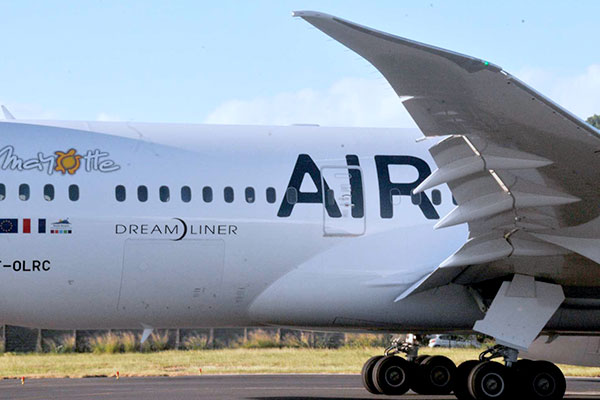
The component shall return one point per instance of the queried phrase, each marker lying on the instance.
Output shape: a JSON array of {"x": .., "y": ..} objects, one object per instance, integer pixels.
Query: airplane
[{"x": 493, "y": 229}]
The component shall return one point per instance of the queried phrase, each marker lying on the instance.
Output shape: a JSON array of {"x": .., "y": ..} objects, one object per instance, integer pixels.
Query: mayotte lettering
[
  {"x": 10, "y": 161},
  {"x": 93, "y": 160}
]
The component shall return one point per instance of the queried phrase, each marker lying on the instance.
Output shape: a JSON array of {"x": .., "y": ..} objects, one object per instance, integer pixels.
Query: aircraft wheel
[
  {"x": 541, "y": 380},
  {"x": 489, "y": 381},
  {"x": 420, "y": 359},
  {"x": 461, "y": 379},
  {"x": 435, "y": 375},
  {"x": 392, "y": 375},
  {"x": 367, "y": 374},
  {"x": 416, "y": 385}
]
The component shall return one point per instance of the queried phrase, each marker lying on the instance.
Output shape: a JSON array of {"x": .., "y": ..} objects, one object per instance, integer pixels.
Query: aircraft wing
[{"x": 523, "y": 170}]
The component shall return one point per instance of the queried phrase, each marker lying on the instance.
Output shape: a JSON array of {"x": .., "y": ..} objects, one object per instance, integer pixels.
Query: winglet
[
  {"x": 7, "y": 114},
  {"x": 314, "y": 14}
]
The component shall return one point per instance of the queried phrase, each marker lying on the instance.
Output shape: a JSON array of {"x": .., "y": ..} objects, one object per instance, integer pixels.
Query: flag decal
[
  {"x": 9, "y": 225},
  {"x": 26, "y": 225}
]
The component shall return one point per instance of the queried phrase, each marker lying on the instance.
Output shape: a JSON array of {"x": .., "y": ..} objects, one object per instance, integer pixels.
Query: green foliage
[
  {"x": 260, "y": 339},
  {"x": 129, "y": 342},
  {"x": 159, "y": 342},
  {"x": 64, "y": 344},
  {"x": 108, "y": 343},
  {"x": 196, "y": 342},
  {"x": 364, "y": 340},
  {"x": 594, "y": 120},
  {"x": 294, "y": 341},
  {"x": 314, "y": 340}
]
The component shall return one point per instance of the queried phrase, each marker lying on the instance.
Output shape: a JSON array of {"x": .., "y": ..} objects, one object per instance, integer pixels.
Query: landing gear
[
  {"x": 486, "y": 379},
  {"x": 540, "y": 380},
  {"x": 434, "y": 375},
  {"x": 393, "y": 375},
  {"x": 481, "y": 379},
  {"x": 489, "y": 380},
  {"x": 390, "y": 374},
  {"x": 461, "y": 379},
  {"x": 367, "y": 374}
]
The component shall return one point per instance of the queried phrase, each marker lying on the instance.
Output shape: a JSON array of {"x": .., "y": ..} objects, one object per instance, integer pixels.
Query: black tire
[
  {"x": 417, "y": 385},
  {"x": 435, "y": 375},
  {"x": 420, "y": 359},
  {"x": 461, "y": 380},
  {"x": 392, "y": 375},
  {"x": 489, "y": 381},
  {"x": 541, "y": 380},
  {"x": 367, "y": 374}
]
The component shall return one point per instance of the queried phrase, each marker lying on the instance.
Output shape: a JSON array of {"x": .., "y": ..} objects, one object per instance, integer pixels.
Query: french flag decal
[{"x": 26, "y": 225}]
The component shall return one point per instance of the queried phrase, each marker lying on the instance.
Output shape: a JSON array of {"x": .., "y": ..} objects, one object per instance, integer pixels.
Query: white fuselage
[{"x": 251, "y": 261}]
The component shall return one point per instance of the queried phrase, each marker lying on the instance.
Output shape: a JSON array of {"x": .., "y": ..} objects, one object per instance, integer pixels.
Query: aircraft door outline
[{"x": 337, "y": 188}]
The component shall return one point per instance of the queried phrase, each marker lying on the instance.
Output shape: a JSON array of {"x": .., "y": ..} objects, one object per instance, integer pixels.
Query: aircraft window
[
  {"x": 271, "y": 195},
  {"x": 73, "y": 192},
  {"x": 415, "y": 198},
  {"x": 142, "y": 193},
  {"x": 250, "y": 195},
  {"x": 207, "y": 194},
  {"x": 329, "y": 197},
  {"x": 186, "y": 194},
  {"x": 395, "y": 196},
  {"x": 163, "y": 193},
  {"x": 120, "y": 193},
  {"x": 436, "y": 197},
  {"x": 24, "y": 191},
  {"x": 228, "y": 193},
  {"x": 2, "y": 191},
  {"x": 454, "y": 201},
  {"x": 291, "y": 195},
  {"x": 48, "y": 192}
]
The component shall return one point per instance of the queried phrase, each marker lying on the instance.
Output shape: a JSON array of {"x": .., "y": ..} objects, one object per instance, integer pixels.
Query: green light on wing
[{"x": 486, "y": 63}]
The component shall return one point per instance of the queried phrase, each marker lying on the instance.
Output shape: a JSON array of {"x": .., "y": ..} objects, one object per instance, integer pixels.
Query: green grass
[{"x": 227, "y": 361}]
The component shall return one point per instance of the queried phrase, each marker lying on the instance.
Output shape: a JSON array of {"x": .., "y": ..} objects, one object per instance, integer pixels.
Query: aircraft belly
[{"x": 331, "y": 300}]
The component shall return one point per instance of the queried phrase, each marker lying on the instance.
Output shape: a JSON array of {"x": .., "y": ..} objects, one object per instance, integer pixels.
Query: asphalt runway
[{"x": 215, "y": 387}]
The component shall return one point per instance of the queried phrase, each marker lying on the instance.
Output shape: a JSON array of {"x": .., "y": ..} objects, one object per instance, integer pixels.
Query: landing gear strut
[{"x": 481, "y": 379}]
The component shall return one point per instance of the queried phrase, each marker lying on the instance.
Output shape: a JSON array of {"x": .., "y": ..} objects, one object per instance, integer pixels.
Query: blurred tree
[{"x": 594, "y": 120}]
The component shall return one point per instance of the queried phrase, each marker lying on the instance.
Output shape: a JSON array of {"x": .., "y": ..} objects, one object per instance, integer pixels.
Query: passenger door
[{"x": 343, "y": 190}]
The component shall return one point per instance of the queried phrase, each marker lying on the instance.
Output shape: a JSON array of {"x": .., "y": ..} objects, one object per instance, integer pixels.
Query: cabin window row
[
  {"x": 185, "y": 194},
  {"x": 24, "y": 192}
]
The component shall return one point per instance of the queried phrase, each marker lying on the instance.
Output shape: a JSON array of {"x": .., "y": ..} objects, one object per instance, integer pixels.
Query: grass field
[{"x": 228, "y": 361}]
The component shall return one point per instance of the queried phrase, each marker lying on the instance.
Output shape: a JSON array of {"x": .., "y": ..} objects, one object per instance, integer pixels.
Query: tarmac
[{"x": 216, "y": 387}]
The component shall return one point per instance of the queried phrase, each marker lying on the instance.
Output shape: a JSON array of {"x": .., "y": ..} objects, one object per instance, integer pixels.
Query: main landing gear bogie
[{"x": 481, "y": 379}]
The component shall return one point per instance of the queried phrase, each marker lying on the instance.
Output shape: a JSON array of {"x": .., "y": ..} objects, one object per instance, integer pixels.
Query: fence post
[
  {"x": 211, "y": 338},
  {"x": 38, "y": 344}
]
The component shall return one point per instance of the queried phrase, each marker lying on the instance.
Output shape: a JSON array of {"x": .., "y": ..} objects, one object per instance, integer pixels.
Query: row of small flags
[{"x": 11, "y": 225}]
